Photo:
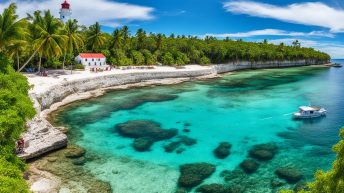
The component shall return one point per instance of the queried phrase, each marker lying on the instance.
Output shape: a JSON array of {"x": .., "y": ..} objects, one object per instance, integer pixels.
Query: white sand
[{"x": 42, "y": 84}]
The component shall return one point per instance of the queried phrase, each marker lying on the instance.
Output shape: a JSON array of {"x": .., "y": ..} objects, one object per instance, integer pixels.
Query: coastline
[{"x": 159, "y": 76}]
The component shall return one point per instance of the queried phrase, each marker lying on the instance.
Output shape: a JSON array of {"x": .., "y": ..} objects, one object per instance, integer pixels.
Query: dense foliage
[
  {"x": 55, "y": 44},
  {"x": 333, "y": 180},
  {"x": 16, "y": 108}
]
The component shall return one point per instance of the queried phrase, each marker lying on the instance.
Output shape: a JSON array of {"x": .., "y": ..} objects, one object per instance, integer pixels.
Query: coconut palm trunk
[
  {"x": 64, "y": 60},
  {"x": 40, "y": 63},
  {"x": 27, "y": 62},
  {"x": 17, "y": 60}
]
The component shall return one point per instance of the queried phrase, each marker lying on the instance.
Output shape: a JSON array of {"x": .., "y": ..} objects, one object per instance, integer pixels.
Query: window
[
  {"x": 89, "y": 64},
  {"x": 86, "y": 59},
  {"x": 92, "y": 59}
]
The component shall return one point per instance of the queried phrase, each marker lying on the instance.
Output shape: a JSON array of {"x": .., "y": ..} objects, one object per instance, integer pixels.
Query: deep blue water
[{"x": 244, "y": 109}]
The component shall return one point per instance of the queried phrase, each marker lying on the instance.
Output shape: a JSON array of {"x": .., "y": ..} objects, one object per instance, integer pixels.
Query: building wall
[
  {"x": 65, "y": 15},
  {"x": 91, "y": 62}
]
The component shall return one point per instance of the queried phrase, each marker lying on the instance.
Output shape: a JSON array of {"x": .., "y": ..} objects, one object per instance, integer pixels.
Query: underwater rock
[
  {"x": 249, "y": 166},
  {"x": 233, "y": 175},
  {"x": 290, "y": 174},
  {"x": 172, "y": 146},
  {"x": 181, "y": 190},
  {"x": 79, "y": 162},
  {"x": 263, "y": 152},
  {"x": 145, "y": 128},
  {"x": 187, "y": 124},
  {"x": 223, "y": 150},
  {"x": 275, "y": 183},
  {"x": 180, "y": 150},
  {"x": 142, "y": 144},
  {"x": 288, "y": 135},
  {"x": 145, "y": 98},
  {"x": 186, "y": 130},
  {"x": 301, "y": 186},
  {"x": 100, "y": 187},
  {"x": 213, "y": 188},
  {"x": 194, "y": 174},
  {"x": 52, "y": 159},
  {"x": 169, "y": 148},
  {"x": 187, "y": 140},
  {"x": 75, "y": 152}
]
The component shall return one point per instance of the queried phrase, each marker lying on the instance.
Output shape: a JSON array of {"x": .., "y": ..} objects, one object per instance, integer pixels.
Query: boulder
[
  {"x": 290, "y": 174},
  {"x": 145, "y": 129},
  {"x": 263, "y": 152},
  {"x": 187, "y": 140},
  {"x": 75, "y": 152},
  {"x": 223, "y": 150},
  {"x": 213, "y": 188},
  {"x": 182, "y": 140},
  {"x": 181, "y": 190},
  {"x": 142, "y": 144},
  {"x": 249, "y": 166},
  {"x": 193, "y": 174},
  {"x": 172, "y": 146},
  {"x": 180, "y": 150},
  {"x": 79, "y": 162},
  {"x": 187, "y": 124}
]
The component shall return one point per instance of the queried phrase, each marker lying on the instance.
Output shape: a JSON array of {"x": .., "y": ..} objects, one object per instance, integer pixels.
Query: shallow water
[{"x": 244, "y": 109}]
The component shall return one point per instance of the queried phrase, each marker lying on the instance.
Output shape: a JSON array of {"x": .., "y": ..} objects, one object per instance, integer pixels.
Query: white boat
[
  {"x": 308, "y": 112},
  {"x": 337, "y": 65}
]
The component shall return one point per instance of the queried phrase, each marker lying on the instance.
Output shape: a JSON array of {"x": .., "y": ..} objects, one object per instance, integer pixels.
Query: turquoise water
[{"x": 244, "y": 109}]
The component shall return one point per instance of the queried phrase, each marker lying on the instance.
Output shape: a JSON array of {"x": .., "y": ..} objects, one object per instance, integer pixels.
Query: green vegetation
[
  {"x": 16, "y": 108},
  {"x": 55, "y": 45},
  {"x": 331, "y": 181}
]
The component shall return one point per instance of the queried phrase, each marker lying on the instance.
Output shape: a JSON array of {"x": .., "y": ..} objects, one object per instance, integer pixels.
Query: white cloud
[
  {"x": 273, "y": 32},
  {"x": 335, "y": 50},
  {"x": 107, "y": 12},
  {"x": 308, "y": 13}
]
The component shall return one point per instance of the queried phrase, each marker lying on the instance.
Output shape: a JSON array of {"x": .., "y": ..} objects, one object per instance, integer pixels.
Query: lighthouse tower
[{"x": 65, "y": 11}]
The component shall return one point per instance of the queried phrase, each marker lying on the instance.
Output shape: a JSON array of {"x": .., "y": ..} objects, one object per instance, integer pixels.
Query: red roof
[
  {"x": 65, "y": 5},
  {"x": 91, "y": 55}
]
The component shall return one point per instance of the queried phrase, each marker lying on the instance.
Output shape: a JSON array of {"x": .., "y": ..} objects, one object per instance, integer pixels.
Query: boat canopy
[{"x": 305, "y": 108}]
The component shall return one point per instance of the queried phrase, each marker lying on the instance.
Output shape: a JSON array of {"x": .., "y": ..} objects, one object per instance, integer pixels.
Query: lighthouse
[{"x": 65, "y": 11}]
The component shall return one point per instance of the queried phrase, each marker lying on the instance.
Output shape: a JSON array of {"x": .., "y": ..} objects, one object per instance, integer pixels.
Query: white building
[
  {"x": 65, "y": 12},
  {"x": 92, "y": 61}
]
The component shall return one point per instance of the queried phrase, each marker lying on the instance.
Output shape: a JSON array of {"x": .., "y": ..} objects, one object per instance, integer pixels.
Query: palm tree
[
  {"x": 117, "y": 39},
  {"x": 74, "y": 39},
  {"x": 140, "y": 35},
  {"x": 296, "y": 44},
  {"x": 48, "y": 41},
  {"x": 16, "y": 49},
  {"x": 95, "y": 38},
  {"x": 159, "y": 41},
  {"x": 11, "y": 29}
]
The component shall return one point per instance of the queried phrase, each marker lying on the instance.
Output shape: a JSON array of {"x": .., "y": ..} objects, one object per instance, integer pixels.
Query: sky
[{"x": 316, "y": 23}]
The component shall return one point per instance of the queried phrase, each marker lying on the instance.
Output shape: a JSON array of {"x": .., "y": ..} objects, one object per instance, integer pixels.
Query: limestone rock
[{"x": 194, "y": 174}]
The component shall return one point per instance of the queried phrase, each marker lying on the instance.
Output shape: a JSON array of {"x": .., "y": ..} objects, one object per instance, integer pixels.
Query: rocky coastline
[{"x": 42, "y": 137}]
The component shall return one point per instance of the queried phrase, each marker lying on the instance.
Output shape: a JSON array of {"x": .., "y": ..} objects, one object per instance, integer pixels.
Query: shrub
[{"x": 16, "y": 108}]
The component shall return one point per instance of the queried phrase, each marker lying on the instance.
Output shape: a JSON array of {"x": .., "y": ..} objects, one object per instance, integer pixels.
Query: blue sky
[{"x": 318, "y": 24}]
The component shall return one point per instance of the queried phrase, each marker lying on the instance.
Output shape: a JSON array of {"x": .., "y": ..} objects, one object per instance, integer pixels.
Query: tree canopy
[{"x": 55, "y": 44}]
